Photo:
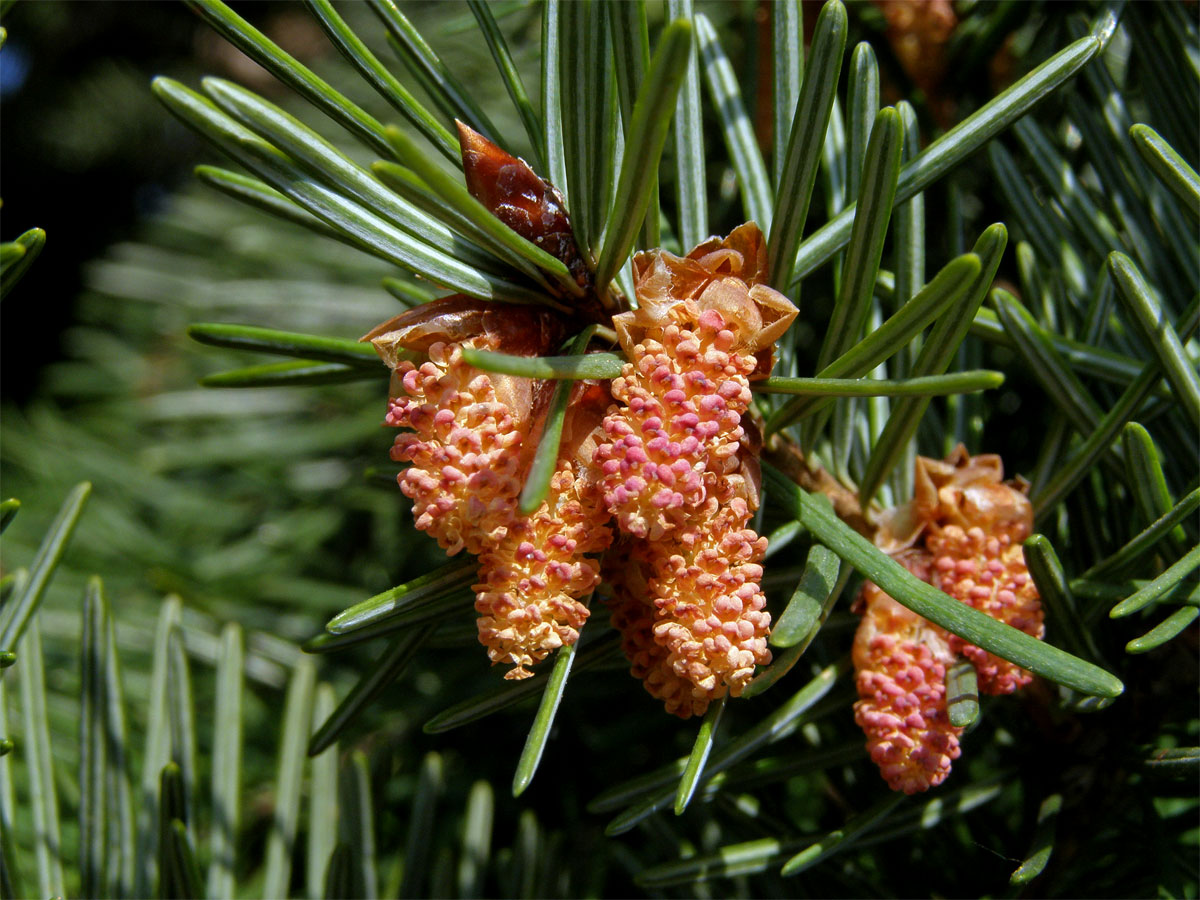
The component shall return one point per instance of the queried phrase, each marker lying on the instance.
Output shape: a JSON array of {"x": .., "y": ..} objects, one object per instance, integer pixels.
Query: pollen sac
[
  {"x": 666, "y": 450},
  {"x": 679, "y": 471},
  {"x": 534, "y": 580},
  {"x": 693, "y": 346},
  {"x": 900, "y": 663}
]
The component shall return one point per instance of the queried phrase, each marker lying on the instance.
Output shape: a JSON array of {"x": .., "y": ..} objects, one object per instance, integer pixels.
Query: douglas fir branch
[{"x": 657, "y": 481}]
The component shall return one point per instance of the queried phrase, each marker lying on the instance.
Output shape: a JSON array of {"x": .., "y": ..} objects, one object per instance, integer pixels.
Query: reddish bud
[{"x": 528, "y": 204}]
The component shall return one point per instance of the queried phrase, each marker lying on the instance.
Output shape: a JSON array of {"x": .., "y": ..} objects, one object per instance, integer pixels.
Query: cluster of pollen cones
[
  {"x": 962, "y": 533},
  {"x": 656, "y": 482},
  {"x": 656, "y": 479}
]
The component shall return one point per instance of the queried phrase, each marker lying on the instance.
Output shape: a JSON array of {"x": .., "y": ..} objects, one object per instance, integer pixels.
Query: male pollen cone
[
  {"x": 711, "y": 613},
  {"x": 900, "y": 663},
  {"x": 977, "y": 523},
  {"x": 532, "y": 580},
  {"x": 535, "y": 581},
  {"x": 625, "y": 574},
  {"x": 466, "y": 440},
  {"x": 679, "y": 469}
]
